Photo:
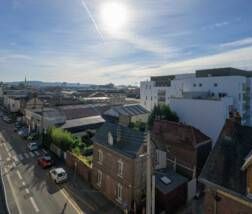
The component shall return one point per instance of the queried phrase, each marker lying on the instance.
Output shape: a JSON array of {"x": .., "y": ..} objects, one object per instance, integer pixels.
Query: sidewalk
[{"x": 90, "y": 200}]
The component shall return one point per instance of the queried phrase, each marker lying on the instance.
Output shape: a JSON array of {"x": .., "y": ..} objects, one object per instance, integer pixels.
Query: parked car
[
  {"x": 33, "y": 146},
  {"x": 33, "y": 136},
  {"x": 45, "y": 161},
  {"x": 18, "y": 125},
  {"x": 23, "y": 132},
  {"x": 6, "y": 119},
  {"x": 58, "y": 175}
]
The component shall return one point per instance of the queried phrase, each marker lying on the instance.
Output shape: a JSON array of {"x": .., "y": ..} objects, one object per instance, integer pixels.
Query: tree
[{"x": 162, "y": 112}]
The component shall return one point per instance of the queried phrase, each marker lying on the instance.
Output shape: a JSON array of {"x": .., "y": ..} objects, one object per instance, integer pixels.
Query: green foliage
[
  {"x": 162, "y": 112},
  {"x": 68, "y": 142},
  {"x": 63, "y": 139},
  {"x": 138, "y": 125}
]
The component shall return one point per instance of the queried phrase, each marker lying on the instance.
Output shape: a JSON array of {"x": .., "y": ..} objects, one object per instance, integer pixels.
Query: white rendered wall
[
  {"x": 208, "y": 116},
  {"x": 231, "y": 85}
]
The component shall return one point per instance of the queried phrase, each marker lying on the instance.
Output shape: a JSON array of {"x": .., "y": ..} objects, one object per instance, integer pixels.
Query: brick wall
[
  {"x": 132, "y": 171},
  {"x": 225, "y": 205},
  {"x": 81, "y": 169}
]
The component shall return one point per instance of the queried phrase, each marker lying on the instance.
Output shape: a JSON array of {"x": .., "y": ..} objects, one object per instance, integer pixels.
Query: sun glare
[{"x": 114, "y": 17}]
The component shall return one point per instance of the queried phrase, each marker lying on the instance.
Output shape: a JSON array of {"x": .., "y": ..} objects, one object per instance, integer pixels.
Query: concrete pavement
[{"x": 30, "y": 190}]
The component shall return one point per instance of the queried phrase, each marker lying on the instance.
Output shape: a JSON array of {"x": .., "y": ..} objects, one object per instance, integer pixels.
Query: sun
[{"x": 114, "y": 17}]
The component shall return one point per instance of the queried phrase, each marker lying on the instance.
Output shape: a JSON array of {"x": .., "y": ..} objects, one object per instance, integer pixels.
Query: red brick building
[
  {"x": 227, "y": 174},
  {"x": 182, "y": 147},
  {"x": 119, "y": 164}
]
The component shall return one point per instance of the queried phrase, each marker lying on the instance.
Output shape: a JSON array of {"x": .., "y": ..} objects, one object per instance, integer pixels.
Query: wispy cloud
[
  {"x": 216, "y": 25},
  {"x": 238, "y": 43},
  {"x": 15, "y": 57}
]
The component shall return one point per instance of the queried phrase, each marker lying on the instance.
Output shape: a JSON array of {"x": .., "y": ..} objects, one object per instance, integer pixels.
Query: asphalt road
[{"x": 29, "y": 188}]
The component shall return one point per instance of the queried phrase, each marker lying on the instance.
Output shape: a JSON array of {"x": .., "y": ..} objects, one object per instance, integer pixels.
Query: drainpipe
[{"x": 148, "y": 175}]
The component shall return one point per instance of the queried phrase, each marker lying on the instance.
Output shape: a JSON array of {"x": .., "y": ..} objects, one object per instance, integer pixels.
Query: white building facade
[{"x": 204, "y": 99}]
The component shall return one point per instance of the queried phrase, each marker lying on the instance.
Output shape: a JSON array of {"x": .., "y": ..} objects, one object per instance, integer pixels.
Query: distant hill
[{"x": 40, "y": 84}]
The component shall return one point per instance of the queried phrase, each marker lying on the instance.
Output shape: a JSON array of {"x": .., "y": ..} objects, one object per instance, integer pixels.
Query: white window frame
[
  {"x": 120, "y": 166},
  {"x": 119, "y": 191},
  {"x": 99, "y": 178},
  {"x": 100, "y": 156}
]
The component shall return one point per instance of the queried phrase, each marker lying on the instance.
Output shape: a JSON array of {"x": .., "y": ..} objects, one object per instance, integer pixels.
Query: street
[{"x": 29, "y": 188}]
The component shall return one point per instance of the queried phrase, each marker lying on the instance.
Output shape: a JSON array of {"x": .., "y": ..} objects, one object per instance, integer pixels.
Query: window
[
  {"x": 194, "y": 84},
  {"x": 110, "y": 139},
  {"x": 120, "y": 168},
  {"x": 200, "y": 84},
  {"x": 99, "y": 178},
  {"x": 146, "y": 97},
  {"x": 119, "y": 193},
  {"x": 100, "y": 156},
  {"x": 215, "y": 84}
]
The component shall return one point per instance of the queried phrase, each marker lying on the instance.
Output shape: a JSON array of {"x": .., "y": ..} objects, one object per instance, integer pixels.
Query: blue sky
[{"x": 65, "y": 40}]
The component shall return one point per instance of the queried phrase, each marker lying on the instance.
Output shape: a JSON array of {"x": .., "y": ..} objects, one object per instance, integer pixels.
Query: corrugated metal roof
[{"x": 127, "y": 110}]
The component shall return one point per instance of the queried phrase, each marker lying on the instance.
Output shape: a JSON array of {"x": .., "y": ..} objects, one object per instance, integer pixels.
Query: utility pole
[
  {"x": 42, "y": 122},
  {"x": 153, "y": 194},
  {"x": 149, "y": 178}
]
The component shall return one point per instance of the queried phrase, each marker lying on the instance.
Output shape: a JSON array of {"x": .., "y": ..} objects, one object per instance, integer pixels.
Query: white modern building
[{"x": 203, "y": 99}]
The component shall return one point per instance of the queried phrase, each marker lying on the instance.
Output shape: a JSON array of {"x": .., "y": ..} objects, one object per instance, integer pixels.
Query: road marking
[
  {"x": 14, "y": 194},
  {"x": 26, "y": 155},
  {"x": 44, "y": 150},
  {"x": 80, "y": 199},
  {"x": 15, "y": 158},
  {"x": 71, "y": 201},
  {"x": 5, "y": 146},
  {"x": 5, "y": 170},
  {"x": 34, "y": 204},
  {"x": 20, "y": 157},
  {"x": 31, "y": 154},
  {"x": 27, "y": 191},
  {"x": 37, "y": 153},
  {"x": 19, "y": 175}
]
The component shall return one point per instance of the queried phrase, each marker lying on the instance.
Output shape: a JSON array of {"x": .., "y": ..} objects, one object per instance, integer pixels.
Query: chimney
[{"x": 235, "y": 117}]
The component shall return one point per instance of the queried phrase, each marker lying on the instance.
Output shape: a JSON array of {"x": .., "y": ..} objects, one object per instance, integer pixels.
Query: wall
[
  {"x": 14, "y": 105},
  {"x": 131, "y": 179},
  {"x": 231, "y": 85},
  {"x": 79, "y": 167},
  {"x": 208, "y": 116},
  {"x": 142, "y": 117},
  {"x": 225, "y": 205}
]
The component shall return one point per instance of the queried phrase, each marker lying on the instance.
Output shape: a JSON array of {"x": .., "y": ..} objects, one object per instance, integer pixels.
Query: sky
[{"x": 75, "y": 40}]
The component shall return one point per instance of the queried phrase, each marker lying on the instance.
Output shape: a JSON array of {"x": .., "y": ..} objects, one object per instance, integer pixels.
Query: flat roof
[
  {"x": 175, "y": 179},
  {"x": 83, "y": 122}
]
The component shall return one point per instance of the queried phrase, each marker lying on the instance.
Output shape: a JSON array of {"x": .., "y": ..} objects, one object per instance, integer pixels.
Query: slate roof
[
  {"x": 176, "y": 180},
  {"x": 168, "y": 132},
  {"x": 130, "y": 140},
  {"x": 223, "y": 167},
  {"x": 80, "y": 111},
  {"x": 127, "y": 110}
]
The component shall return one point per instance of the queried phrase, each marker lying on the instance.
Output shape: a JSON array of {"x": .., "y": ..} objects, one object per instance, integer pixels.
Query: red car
[{"x": 45, "y": 161}]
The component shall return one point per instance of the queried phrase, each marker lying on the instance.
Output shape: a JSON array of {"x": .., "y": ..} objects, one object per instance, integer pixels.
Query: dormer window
[{"x": 110, "y": 139}]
